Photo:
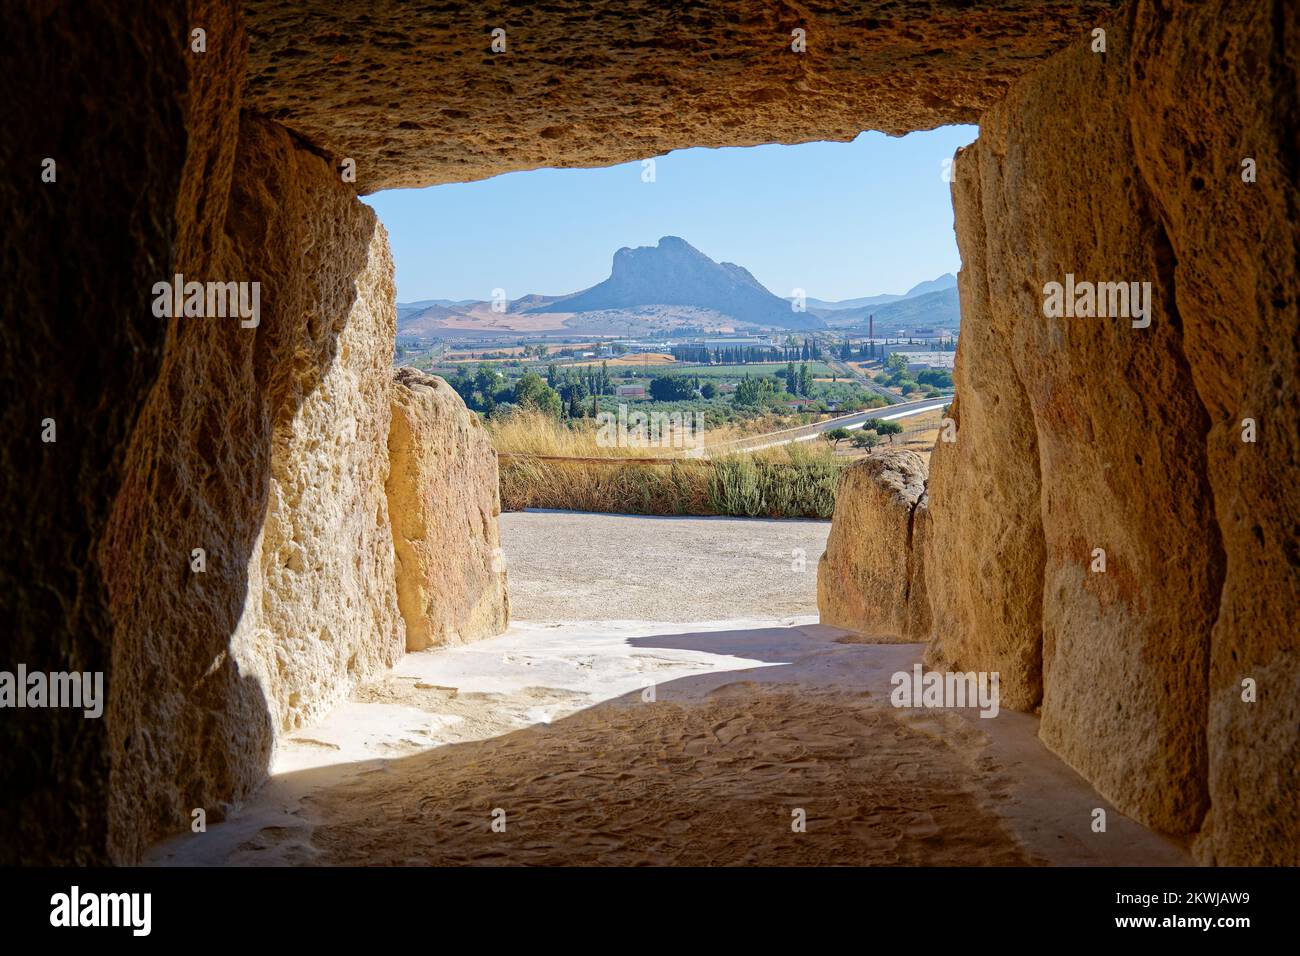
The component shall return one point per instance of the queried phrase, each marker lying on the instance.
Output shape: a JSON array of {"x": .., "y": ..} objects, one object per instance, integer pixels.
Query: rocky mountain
[
  {"x": 676, "y": 273},
  {"x": 672, "y": 283}
]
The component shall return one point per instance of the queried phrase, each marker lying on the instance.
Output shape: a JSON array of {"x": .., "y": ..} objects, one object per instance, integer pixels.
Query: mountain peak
[
  {"x": 674, "y": 272},
  {"x": 666, "y": 246},
  {"x": 945, "y": 281}
]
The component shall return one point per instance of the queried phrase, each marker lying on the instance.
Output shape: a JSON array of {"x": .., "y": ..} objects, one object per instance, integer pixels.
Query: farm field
[
  {"x": 754, "y": 368},
  {"x": 657, "y": 359}
]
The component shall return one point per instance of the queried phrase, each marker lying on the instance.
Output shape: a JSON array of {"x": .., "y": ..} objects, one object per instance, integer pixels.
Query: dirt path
[{"x": 626, "y": 742}]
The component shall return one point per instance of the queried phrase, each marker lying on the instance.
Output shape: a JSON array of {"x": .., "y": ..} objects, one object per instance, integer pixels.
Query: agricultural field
[
  {"x": 753, "y": 369},
  {"x": 646, "y": 359},
  {"x": 498, "y": 384}
]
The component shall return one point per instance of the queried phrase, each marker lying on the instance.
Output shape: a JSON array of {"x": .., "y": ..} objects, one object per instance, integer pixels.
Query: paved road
[
  {"x": 843, "y": 368},
  {"x": 852, "y": 421}
]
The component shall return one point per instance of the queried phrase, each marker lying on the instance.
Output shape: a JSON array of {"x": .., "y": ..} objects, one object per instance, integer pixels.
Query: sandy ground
[
  {"x": 572, "y": 566},
  {"x": 620, "y": 741}
]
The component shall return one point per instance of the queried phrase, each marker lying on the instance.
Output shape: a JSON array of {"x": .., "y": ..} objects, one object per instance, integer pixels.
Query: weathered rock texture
[
  {"x": 984, "y": 551},
  {"x": 1077, "y": 434},
  {"x": 416, "y": 96},
  {"x": 866, "y": 575},
  {"x": 1198, "y": 110},
  {"x": 325, "y": 575},
  {"x": 267, "y": 448},
  {"x": 1124, "y": 652},
  {"x": 136, "y": 127},
  {"x": 444, "y": 501},
  {"x": 917, "y": 621}
]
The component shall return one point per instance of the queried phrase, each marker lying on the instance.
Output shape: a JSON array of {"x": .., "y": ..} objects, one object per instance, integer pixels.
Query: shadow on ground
[{"x": 785, "y": 753}]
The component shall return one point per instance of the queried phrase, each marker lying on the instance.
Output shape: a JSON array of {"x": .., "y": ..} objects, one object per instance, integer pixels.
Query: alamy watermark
[
  {"x": 950, "y": 689},
  {"x": 75, "y": 908},
  {"x": 650, "y": 430},
  {"x": 77, "y": 690},
  {"x": 1099, "y": 300},
  {"x": 210, "y": 300}
]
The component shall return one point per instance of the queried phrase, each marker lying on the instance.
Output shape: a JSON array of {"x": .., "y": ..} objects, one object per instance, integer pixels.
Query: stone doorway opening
[
  {"x": 229, "y": 165},
  {"x": 478, "y": 306},
  {"x": 665, "y": 693}
]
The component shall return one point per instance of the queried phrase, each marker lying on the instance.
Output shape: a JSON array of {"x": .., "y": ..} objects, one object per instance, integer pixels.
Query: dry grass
[
  {"x": 533, "y": 433},
  {"x": 922, "y": 442},
  {"x": 790, "y": 481}
]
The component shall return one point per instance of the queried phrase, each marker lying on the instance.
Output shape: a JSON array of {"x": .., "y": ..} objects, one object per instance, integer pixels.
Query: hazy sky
[{"x": 839, "y": 220}]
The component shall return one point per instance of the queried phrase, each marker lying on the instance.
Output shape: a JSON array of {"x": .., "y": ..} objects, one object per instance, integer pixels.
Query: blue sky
[{"x": 839, "y": 220}]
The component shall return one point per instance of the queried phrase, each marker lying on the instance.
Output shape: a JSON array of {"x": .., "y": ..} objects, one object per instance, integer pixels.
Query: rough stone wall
[
  {"x": 866, "y": 574},
  {"x": 1199, "y": 108},
  {"x": 417, "y": 97},
  {"x": 984, "y": 550},
  {"x": 444, "y": 501},
  {"x": 1120, "y": 438},
  {"x": 327, "y": 613},
  {"x": 135, "y": 125},
  {"x": 266, "y": 447},
  {"x": 1074, "y": 434},
  {"x": 917, "y": 621},
  {"x": 1128, "y": 168}
]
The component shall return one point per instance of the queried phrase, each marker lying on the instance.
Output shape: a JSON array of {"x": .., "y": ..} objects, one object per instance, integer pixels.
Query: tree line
[{"x": 809, "y": 351}]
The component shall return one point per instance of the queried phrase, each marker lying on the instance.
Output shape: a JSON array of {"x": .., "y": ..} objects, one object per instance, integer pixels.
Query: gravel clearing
[{"x": 576, "y": 566}]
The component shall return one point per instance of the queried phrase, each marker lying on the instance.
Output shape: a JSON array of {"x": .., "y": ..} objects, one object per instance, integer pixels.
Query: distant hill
[
  {"x": 534, "y": 302},
  {"x": 939, "y": 309},
  {"x": 835, "y": 306},
  {"x": 427, "y": 321},
  {"x": 407, "y": 309},
  {"x": 676, "y": 273},
  {"x": 655, "y": 289},
  {"x": 945, "y": 281},
  {"x": 425, "y": 303}
]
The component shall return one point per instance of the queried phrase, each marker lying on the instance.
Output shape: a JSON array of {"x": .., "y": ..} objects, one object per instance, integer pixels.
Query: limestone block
[{"x": 443, "y": 500}]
